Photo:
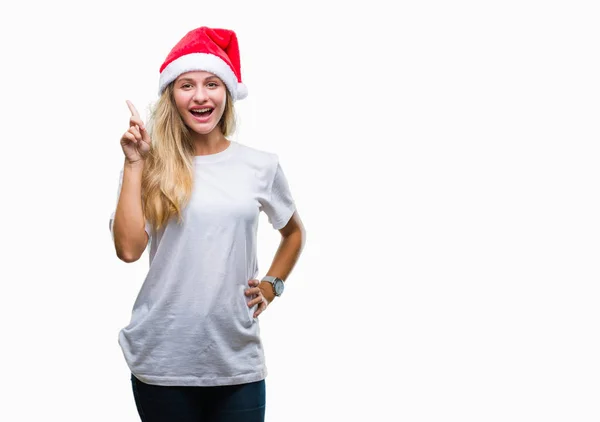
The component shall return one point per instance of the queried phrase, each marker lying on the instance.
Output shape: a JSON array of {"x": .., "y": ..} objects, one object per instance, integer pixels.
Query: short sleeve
[
  {"x": 278, "y": 204},
  {"x": 111, "y": 221}
]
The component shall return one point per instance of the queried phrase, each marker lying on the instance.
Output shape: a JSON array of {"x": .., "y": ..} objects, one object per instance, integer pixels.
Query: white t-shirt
[{"x": 190, "y": 323}]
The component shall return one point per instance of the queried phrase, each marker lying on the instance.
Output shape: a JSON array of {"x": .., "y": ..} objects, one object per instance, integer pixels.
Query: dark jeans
[{"x": 231, "y": 403}]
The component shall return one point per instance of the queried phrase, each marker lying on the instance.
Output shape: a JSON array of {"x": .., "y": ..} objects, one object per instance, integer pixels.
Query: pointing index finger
[{"x": 133, "y": 110}]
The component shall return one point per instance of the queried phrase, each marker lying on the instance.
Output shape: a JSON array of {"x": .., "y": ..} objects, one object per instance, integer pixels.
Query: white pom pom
[{"x": 242, "y": 91}]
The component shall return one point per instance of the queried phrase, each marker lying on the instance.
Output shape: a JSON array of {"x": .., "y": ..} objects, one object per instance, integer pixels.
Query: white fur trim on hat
[{"x": 208, "y": 63}]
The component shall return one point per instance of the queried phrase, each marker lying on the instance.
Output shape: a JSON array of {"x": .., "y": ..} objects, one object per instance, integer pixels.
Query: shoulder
[{"x": 256, "y": 156}]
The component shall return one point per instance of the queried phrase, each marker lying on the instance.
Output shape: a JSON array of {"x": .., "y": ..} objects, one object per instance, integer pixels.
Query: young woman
[{"x": 193, "y": 343}]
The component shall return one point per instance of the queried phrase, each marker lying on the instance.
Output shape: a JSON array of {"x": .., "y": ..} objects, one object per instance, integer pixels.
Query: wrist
[
  {"x": 135, "y": 165},
  {"x": 276, "y": 284}
]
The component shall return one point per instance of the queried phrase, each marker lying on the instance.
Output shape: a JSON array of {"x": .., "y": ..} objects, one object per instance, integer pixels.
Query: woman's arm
[
  {"x": 129, "y": 224},
  {"x": 293, "y": 238}
]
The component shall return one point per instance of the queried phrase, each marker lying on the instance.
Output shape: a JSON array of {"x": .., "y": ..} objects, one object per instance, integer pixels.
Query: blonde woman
[{"x": 193, "y": 343}]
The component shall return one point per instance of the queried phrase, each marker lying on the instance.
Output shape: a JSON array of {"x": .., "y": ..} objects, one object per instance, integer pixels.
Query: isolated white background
[{"x": 443, "y": 157}]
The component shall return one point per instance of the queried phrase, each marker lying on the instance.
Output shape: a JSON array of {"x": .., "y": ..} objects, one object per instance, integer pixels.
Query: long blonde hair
[{"x": 168, "y": 176}]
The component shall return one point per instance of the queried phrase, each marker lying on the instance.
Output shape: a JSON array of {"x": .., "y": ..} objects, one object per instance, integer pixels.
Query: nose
[{"x": 200, "y": 95}]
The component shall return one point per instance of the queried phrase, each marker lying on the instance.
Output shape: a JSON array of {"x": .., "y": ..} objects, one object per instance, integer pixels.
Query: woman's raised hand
[{"x": 136, "y": 141}]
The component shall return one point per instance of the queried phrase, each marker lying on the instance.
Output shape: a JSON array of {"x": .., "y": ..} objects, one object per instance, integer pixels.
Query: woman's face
[{"x": 200, "y": 98}]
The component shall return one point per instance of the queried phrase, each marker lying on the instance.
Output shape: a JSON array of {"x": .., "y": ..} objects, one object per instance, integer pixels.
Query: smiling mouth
[{"x": 202, "y": 112}]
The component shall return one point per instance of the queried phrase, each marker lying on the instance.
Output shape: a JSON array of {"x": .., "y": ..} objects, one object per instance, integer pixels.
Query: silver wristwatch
[{"x": 276, "y": 282}]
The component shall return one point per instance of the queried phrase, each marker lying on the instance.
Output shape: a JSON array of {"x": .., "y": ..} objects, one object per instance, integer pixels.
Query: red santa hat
[{"x": 211, "y": 50}]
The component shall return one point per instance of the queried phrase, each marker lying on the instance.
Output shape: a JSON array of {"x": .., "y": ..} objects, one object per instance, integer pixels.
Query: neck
[{"x": 210, "y": 143}]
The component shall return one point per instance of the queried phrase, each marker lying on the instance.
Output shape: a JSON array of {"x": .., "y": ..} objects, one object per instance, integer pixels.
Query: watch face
[{"x": 278, "y": 284}]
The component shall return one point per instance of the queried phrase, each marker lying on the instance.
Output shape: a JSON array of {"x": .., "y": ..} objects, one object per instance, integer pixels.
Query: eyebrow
[{"x": 193, "y": 80}]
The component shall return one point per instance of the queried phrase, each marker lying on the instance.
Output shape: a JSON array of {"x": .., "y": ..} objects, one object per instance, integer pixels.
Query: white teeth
[{"x": 201, "y": 110}]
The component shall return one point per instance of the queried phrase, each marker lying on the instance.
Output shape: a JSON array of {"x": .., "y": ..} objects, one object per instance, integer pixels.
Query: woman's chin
[{"x": 201, "y": 129}]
